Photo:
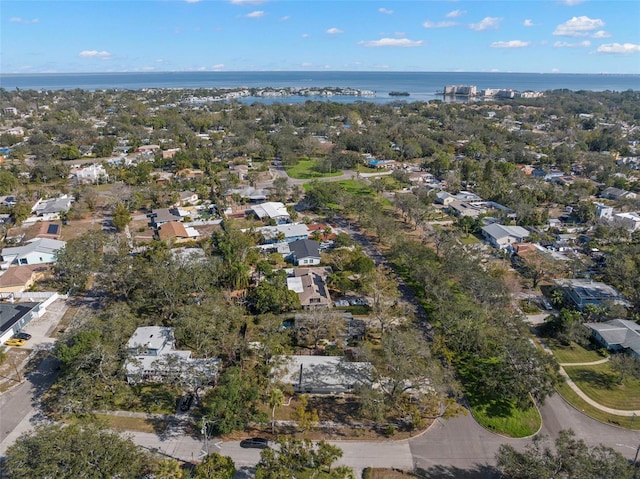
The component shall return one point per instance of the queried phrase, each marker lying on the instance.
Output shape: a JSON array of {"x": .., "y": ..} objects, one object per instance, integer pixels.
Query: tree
[
  {"x": 121, "y": 217},
  {"x": 276, "y": 399},
  {"x": 381, "y": 286},
  {"x": 215, "y": 466},
  {"x": 168, "y": 469},
  {"x": 75, "y": 451},
  {"x": 306, "y": 416},
  {"x": 301, "y": 458},
  {"x": 79, "y": 259},
  {"x": 571, "y": 459},
  {"x": 234, "y": 400}
]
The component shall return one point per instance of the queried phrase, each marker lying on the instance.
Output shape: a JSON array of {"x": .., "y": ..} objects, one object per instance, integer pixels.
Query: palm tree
[{"x": 276, "y": 399}]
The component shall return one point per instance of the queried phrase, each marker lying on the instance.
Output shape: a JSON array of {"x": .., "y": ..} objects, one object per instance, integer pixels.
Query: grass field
[
  {"x": 121, "y": 423},
  {"x": 307, "y": 169},
  {"x": 573, "y": 353},
  {"x": 601, "y": 383},
  {"x": 517, "y": 423},
  {"x": 577, "y": 402}
]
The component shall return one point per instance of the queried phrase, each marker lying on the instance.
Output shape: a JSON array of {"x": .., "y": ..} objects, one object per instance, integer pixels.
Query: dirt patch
[
  {"x": 10, "y": 373},
  {"x": 381, "y": 473}
]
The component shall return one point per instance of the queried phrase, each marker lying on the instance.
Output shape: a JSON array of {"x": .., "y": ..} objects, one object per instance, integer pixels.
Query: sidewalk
[{"x": 583, "y": 396}]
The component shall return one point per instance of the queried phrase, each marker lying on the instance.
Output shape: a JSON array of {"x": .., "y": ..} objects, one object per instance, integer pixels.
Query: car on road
[
  {"x": 22, "y": 335},
  {"x": 255, "y": 443},
  {"x": 15, "y": 342}
]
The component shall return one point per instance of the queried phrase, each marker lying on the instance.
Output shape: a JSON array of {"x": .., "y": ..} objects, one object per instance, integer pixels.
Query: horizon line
[{"x": 310, "y": 71}]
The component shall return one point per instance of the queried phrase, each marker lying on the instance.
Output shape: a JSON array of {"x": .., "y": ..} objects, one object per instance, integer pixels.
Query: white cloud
[
  {"x": 555, "y": 70},
  {"x": 95, "y": 54},
  {"x": 305, "y": 35},
  {"x": 255, "y": 14},
  {"x": 578, "y": 26},
  {"x": 386, "y": 11},
  {"x": 429, "y": 24},
  {"x": 455, "y": 13},
  {"x": 601, "y": 34},
  {"x": 585, "y": 43},
  {"x": 623, "y": 48},
  {"x": 571, "y": 3},
  {"x": 334, "y": 31},
  {"x": 486, "y": 23},
  {"x": 192, "y": 1},
  {"x": 25, "y": 21},
  {"x": 306, "y": 64},
  {"x": 218, "y": 67},
  {"x": 510, "y": 44},
  {"x": 285, "y": 18},
  {"x": 391, "y": 42},
  {"x": 527, "y": 23},
  {"x": 247, "y": 2}
]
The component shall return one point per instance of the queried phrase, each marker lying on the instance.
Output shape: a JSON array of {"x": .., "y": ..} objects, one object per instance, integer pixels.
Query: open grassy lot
[
  {"x": 602, "y": 384},
  {"x": 508, "y": 421},
  {"x": 121, "y": 423},
  {"x": 577, "y": 402},
  {"x": 574, "y": 353},
  {"x": 307, "y": 169}
]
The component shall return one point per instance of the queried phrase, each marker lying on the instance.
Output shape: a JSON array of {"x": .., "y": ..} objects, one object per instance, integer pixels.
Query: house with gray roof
[
  {"x": 502, "y": 237},
  {"x": 53, "y": 206},
  {"x": 617, "y": 335},
  {"x": 36, "y": 251},
  {"x": 15, "y": 316},
  {"x": 305, "y": 252},
  {"x": 582, "y": 292},
  {"x": 323, "y": 374}
]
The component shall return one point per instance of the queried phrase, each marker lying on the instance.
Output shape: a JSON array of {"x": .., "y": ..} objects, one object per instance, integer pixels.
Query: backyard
[{"x": 307, "y": 169}]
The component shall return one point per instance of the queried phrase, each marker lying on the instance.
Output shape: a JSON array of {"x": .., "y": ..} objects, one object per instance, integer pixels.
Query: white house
[
  {"x": 501, "y": 236},
  {"x": 13, "y": 317},
  {"x": 322, "y": 374},
  {"x": 36, "y": 251},
  {"x": 603, "y": 211},
  {"x": 152, "y": 358},
  {"x": 91, "y": 174},
  {"x": 630, "y": 221},
  {"x": 284, "y": 233},
  {"x": 273, "y": 210}
]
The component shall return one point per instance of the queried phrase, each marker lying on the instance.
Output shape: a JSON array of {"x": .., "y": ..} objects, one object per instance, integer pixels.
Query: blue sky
[{"x": 567, "y": 36}]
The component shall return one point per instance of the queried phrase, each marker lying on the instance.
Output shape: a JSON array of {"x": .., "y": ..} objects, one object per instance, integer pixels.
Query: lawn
[
  {"x": 307, "y": 169},
  {"x": 573, "y": 353},
  {"x": 122, "y": 423},
  {"x": 517, "y": 423},
  {"x": 469, "y": 239},
  {"x": 601, "y": 383},
  {"x": 577, "y": 402}
]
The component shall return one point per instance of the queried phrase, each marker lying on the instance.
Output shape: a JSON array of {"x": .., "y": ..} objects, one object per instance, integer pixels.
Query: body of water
[{"x": 422, "y": 86}]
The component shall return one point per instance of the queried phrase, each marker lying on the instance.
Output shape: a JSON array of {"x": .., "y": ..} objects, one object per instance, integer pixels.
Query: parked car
[
  {"x": 15, "y": 342},
  {"x": 186, "y": 403},
  {"x": 255, "y": 442},
  {"x": 21, "y": 335}
]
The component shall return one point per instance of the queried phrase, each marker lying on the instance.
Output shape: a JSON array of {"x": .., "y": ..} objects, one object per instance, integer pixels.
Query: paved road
[{"x": 461, "y": 448}]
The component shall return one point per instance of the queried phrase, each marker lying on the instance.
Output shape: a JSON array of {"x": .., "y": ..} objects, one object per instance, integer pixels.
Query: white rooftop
[{"x": 271, "y": 209}]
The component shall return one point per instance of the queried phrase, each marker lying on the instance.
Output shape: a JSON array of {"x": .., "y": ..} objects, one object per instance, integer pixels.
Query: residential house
[
  {"x": 466, "y": 208},
  {"x": 629, "y": 221},
  {"x": 613, "y": 193},
  {"x": 284, "y": 233},
  {"x": 49, "y": 230},
  {"x": 444, "y": 198},
  {"x": 52, "y": 207},
  {"x": 305, "y": 252},
  {"x": 36, "y": 251},
  {"x": 15, "y": 316},
  {"x": 322, "y": 374},
  {"x": 582, "y": 292},
  {"x": 603, "y": 211},
  {"x": 176, "y": 232},
  {"x": 187, "y": 198},
  {"x": 617, "y": 335},
  {"x": 249, "y": 193},
  {"x": 163, "y": 215},
  {"x": 91, "y": 174},
  {"x": 501, "y": 236},
  {"x": 153, "y": 358},
  {"x": 21, "y": 278},
  {"x": 272, "y": 210},
  {"x": 311, "y": 287}
]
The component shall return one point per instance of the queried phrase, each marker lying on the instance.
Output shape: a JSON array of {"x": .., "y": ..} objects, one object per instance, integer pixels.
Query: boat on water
[{"x": 398, "y": 93}]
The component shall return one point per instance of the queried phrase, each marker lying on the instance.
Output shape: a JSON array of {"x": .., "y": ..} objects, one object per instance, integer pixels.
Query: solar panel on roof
[{"x": 52, "y": 229}]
